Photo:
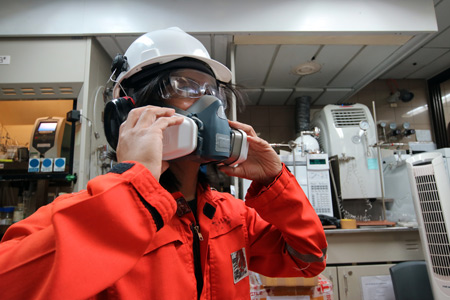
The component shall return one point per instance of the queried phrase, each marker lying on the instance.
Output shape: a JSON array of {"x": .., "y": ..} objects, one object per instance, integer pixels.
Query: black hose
[{"x": 302, "y": 114}]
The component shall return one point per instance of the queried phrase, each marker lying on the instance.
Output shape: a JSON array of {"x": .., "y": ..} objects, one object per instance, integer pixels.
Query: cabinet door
[
  {"x": 349, "y": 279},
  {"x": 331, "y": 274}
]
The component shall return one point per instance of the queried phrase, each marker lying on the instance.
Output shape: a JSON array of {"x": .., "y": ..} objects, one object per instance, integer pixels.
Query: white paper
[
  {"x": 377, "y": 287},
  {"x": 423, "y": 135}
]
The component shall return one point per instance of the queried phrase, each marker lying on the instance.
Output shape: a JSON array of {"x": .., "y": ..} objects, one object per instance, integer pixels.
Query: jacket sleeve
[
  {"x": 82, "y": 243},
  {"x": 289, "y": 241}
]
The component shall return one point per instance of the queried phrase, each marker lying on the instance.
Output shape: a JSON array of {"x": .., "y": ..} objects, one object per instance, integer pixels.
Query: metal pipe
[{"x": 380, "y": 166}]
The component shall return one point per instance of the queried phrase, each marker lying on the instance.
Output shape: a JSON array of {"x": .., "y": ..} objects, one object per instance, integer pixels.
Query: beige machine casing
[{"x": 47, "y": 143}]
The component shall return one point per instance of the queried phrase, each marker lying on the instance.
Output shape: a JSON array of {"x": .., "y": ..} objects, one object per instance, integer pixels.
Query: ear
[{"x": 116, "y": 112}]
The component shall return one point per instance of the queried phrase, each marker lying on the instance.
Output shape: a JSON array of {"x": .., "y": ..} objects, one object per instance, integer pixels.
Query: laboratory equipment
[
  {"x": 446, "y": 156},
  {"x": 49, "y": 138},
  {"x": 430, "y": 187},
  {"x": 312, "y": 173},
  {"x": 397, "y": 188},
  {"x": 349, "y": 133}
]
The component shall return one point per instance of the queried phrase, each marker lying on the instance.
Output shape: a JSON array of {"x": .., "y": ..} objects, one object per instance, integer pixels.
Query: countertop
[{"x": 370, "y": 229}]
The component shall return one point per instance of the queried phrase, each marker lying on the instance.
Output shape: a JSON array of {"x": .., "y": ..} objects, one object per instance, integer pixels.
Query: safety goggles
[{"x": 190, "y": 83}]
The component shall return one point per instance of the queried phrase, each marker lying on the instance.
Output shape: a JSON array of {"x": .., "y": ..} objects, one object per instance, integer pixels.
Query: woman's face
[{"x": 185, "y": 86}]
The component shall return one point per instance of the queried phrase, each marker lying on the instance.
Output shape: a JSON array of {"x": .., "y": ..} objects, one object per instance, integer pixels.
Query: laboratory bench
[{"x": 355, "y": 256}]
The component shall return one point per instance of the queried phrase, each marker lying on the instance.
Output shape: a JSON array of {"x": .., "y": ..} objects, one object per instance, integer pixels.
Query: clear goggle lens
[{"x": 188, "y": 83}]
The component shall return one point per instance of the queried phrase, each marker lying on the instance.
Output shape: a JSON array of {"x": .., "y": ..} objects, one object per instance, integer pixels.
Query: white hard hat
[{"x": 163, "y": 46}]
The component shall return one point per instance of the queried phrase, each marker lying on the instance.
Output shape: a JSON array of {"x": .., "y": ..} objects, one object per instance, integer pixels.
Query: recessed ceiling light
[{"x": 307, "y": 68}]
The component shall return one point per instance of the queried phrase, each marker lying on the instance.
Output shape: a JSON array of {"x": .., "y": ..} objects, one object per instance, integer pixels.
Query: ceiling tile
[
  {"x": 332, "y": 58},
  {"x": 442, "y": 40},
  {"x": 331, "y": 97},
  {"x": 362, "y": 64},
  {"x": 274, "y": 96},
  {"x": 442, "y": 10},
  {"x": 252, "y": 63},
  {"x": 288, "y": 57},
  {"x": 415, "y": 62},
  {"x": 253, "y": 96},
  {"x": 433, "y": 68}
]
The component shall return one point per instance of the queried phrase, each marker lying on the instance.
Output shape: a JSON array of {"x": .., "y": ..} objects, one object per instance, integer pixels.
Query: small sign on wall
[{"x": 5, "y": 59}]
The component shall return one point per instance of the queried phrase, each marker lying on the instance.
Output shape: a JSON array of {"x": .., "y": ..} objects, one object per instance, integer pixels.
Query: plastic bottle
[
  {"x": 2, "y": 215},
  {"x": 18, "y": 211},
  {"x": 8, "y": 213}
]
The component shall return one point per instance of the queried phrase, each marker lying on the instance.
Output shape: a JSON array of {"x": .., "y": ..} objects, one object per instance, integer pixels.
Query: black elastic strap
[{"x": 121, "y": 168}]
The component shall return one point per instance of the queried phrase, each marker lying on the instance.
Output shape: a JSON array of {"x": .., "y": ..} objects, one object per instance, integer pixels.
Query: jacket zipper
[
  {"x": 196, "y": 229},
  {"x": 197, "y": 263}
]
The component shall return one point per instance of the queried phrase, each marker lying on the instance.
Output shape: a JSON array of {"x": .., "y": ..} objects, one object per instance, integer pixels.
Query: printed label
[{"x": 239, "y": 262}]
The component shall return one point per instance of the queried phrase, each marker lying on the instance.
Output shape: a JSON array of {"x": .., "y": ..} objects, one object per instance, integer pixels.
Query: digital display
[
  {"x": 47, "y": 126},
  {"x": 317, "y": 161}
]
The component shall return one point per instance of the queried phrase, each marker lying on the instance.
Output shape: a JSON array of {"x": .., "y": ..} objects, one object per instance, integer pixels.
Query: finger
[
  {"x": 132, "y": 118},
  {"x": 235, "y": 171},
  {"x": 230, "y": 171},
  {"x": 151, "y": 113},
  {"x": 164, "y": 166},
  {"x": 164, "y": 122},
  {"x": 246, "y": 128}
]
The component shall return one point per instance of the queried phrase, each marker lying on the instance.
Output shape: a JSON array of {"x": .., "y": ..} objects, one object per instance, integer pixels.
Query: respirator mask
[{"x": 204, "y": 135}]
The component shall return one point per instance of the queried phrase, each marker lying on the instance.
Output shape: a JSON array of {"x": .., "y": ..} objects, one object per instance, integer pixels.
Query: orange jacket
[{"x": 126, "y": 238}]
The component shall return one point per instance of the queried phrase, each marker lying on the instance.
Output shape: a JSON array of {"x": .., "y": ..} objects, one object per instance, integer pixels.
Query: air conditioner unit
[
  {"x": 348, "y": 133},
  {"x": 430, "y": 188}
]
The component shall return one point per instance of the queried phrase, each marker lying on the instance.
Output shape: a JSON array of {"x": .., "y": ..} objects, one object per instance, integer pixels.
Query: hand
[
  {"x": 262, "y": 164},
  {"x": 141, "y": 135}
]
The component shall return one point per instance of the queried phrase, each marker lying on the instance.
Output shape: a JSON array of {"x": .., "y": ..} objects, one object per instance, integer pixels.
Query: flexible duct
[{"x": 302, "y": 114}]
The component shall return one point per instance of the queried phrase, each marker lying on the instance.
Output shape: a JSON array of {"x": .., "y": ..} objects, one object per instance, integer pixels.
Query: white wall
[
  {"x": 43, "y": 60},
  {"x": 92, "y": 17}
]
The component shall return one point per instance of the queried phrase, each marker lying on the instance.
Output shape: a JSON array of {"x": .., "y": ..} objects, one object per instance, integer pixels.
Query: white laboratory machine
[
  {"x": 312, "y": 173},
  {"x": 397, "y": 190},
  {"x": 446, "y": 157},
  {"x": 348, "y": 134}
]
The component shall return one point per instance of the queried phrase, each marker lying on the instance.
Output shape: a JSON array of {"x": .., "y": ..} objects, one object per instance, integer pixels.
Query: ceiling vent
[
  {"x": 9, "y": 92},
  {"x": 21, "y": 91},
  {"x": 28, "y": 91},
  {"x": 47, "y": 91}
]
